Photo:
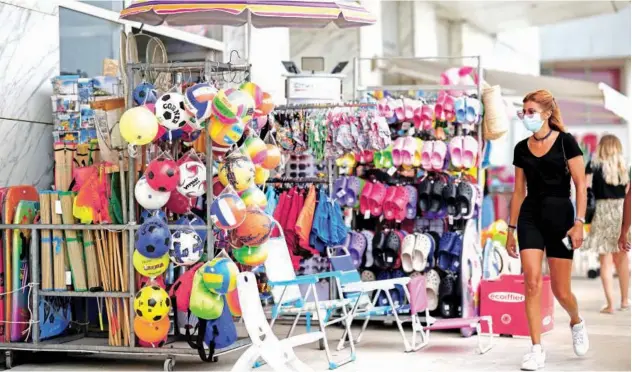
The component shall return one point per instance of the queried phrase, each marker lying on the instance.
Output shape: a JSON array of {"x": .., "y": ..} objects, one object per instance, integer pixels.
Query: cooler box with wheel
[{"x": 503, "y": 299}]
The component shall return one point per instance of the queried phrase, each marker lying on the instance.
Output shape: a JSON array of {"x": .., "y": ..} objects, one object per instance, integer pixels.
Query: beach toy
[
  {"x": 162, "y": 174},
  {"x": 236, "y": 170},
  {"x": 220, "y": 275},
  {"x": 254, "y": 91},
  {"x": 192, "y": 181},
  {"x": 251, "y": 256},
  {"x": 266, "y": 106},
  {"x": 149, "y": 198},
  {"x": 153, "y": 238},
  {"x": 203, "y": 303},
  {"x": 232, "y": 301},
  {"x": 254, "y": 197},
  {"x": 186, "y": 247},
  {"x": 228, "y": 211},
  {"x": 150, "y": 267},
  {"x": 144, "y": 93},
  {"x": 261, "y": 175},
  {"x": 245, "y": 105},
  {"x": 225, "y": 134},
  {"x": 223, "y": 109},
  {"x": 273, "y": 157},
  {"x": 171, "y": 112},
  {"x": 256, "y": 228},
  {"x": 197, "y": 100},
  {"x": 151, "y": 332},
  {"x": 256, "y": 149},
  {"x": 138, "y": 126},
  {"x": 152, "y": 303}
]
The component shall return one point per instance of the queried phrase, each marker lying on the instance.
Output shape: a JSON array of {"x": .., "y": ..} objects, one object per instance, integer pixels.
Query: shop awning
[{"x": 514, "y": 84}]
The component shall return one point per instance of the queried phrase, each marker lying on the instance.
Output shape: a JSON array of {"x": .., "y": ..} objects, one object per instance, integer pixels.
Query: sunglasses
[{"x": 527, "y": 113}]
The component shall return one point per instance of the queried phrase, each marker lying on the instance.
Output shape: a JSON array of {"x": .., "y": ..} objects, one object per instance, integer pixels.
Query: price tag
[
  {"x": 381, "y": 218},
  {"x": 391, "y": 171},
  {"x": 406, "y": 125},
  {"x": 68, "y": 278},
  {"x": 389, "y": 259},
  {"x": 341, "y": 193},
  {"x": 58, "y": 207},
  {"x": 367, "y": 215},
  {"x": 450, "y": 220},
  {"x": 463, "y": 210},
  {"x": 411, "y": 131}
]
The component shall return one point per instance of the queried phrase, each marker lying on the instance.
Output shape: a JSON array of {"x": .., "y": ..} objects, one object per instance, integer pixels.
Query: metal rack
[{"x": 83, "y": 343}]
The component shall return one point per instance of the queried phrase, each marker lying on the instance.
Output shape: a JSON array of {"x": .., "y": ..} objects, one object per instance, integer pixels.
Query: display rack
[{"x": 85, "y": 342}]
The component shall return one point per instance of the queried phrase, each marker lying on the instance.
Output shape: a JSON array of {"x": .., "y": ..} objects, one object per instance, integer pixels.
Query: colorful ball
[
  {"x": 261, "y": 175},
  {"x": 256, "y": 228},
  {"x": 258, "y": 122},
  {"x": 232, "y": 300},
  {"x": 228, "y": 211},
  {"x": 138, "y": 126},
  {"x": 171, "y": 111},
  {"x": 149, "y": 198},
  {"x": 219, "y": 152},
  {"x": 254, "y": 197},
  {"x": 152, "y": 303},
  {"x": 254, "y": 91},
  {"x": 236, "y": 170},
  {"x": 220, "y": 275},
  {"x": 197, "y": 100},
  {"x": 251, "y": 256},
  {"x": 266, "y": 106},
  {"x": 192, "y": 181},
  {"x": 245, "y": 104},
  {"x": 224, "y": 109},
  {"x": 162, "y": 174},
  {"x": 150, "y": 267},
  {"x": 151, "y": 332},
  {"x": 273, "y": 157},
  {"x": 256, "y": 149},
  {"x": 186, "y": 247},
  {"x": 225, "y": 134}
]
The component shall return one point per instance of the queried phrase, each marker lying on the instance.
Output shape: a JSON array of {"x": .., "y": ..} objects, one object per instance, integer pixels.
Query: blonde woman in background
[{"x": 609, "y": 175}]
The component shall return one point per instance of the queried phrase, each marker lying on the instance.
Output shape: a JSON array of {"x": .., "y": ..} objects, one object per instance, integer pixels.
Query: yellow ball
[
  {"x": 225, "y": 134},
  {"x": 236, "y": 170},
  {"x": 261, "y": 175},
  {"x": 138, "y": 126},
  {"x": 150, "y": 267}
]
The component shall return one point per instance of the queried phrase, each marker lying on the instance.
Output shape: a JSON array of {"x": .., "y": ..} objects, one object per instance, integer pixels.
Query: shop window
[{"x": 85, "y": 41}]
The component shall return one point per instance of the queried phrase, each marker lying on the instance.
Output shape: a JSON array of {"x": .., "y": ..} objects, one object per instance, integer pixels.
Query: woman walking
[
  {"x": 610, "y": 178},
  {"x": 543, "y": 214}
]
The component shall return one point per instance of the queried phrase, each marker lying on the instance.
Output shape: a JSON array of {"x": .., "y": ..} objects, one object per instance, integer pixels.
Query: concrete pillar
[
  {"x": 371, "y": 45},
  {"x": 406, "y": 24},
  {"x": 425, "y": 36}
]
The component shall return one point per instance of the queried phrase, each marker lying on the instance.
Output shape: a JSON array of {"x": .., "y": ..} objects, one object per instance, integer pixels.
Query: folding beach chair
[
  {"x": 288, "y": 300},
  {"x": 265, "y": 345},
  {"x": 349, "y": 283}
]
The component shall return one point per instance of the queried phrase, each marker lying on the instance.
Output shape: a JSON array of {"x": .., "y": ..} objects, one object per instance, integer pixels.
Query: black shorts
[{"x": 543, "y": 224}]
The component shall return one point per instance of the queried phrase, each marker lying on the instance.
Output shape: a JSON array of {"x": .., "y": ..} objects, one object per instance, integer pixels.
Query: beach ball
[
  {"x": 192, "y": 181},
  {"x": 162, "y": 174},
  {"x": 254, "y": 91},
  {"x": 256, "y": 149},
  {"x": 219, "y": 151},
  {"x": 225, "y": 134},
  {"x": 261, "y": 175},
  {"x": 144, "y": 93},
  {"x": 152, "y": 303},
  {"x": 149, "y": 198},
  {"x": 245, "y": 104},
  {"x": 153, "y": 238},
  {"x": 232, "y": 300},
  {"x": 254, "y": 197},
  {"x": 223, "y": 109},
  {"x": 197, "y": 100},
  {"x": 220, "y": 275},
  {"x": 171, "y": 112},
  {"x": 228, "y": 211},
  {"x": 266, "y": 106},
  {"x": 236, "y": 170},
  {"x": 138, "y": 126},
  {"x": 179, "y": 204},
  {"x": 251, "y": 256},
  {"x": 150, "y": 267},
  {"x": 186, "y": 247},
  {"x": 273, "y": 157},
  {"x": 258, "y": 122},
  {"x": 151, "y": 332},
  {"x": 256, "y": 228}
]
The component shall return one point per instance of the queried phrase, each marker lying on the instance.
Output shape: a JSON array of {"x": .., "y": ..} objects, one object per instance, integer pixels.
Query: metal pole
[
  {"x": 129, "y": 219},
  {"x": 479, "y": 171},
  {"x": 249, "y": 39},
  {"x": 210, "y": 238},
  {"x": 35, "y": 279}
]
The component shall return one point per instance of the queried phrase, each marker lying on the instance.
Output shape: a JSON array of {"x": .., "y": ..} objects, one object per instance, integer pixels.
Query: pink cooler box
[{"x": 503, "y": 300}]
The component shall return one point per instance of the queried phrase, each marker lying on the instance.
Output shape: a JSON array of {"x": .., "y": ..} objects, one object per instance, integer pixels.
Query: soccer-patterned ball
[
  {"x": 162, "y": 174},
  {"x": 171, "y": 112},
  {"x": 148, "y": 197},
  {"x": 192, "y": 179},
  {"x": 153, "y": 238},
  {"x": 186, "y": 247},
  {"x": 152, "y": 303}
]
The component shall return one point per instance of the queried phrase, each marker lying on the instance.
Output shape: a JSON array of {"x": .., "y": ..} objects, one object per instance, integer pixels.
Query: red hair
[{"x": 545, "y": 99}]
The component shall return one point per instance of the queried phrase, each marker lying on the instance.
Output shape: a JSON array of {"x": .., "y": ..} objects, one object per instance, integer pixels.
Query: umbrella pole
[{"x": 249, "y": 41}]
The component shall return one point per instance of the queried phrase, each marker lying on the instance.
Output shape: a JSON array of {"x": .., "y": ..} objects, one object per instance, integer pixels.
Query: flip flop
[
  {"x": 419, "y": 145},
  {"x": 426, "y": 155},
  {"x": 424, "y": 189},
  {"x": 449, "y": 196},
  {"x": 376, "y": 198},
  {"x": 420, "y": 251},
  {"x": 466, "y": 199},
  {"x": 357, "y": 246},
  {"x": 437, "y": 160},
  {"x": 407, "y": 252},
  {"x": 368, "y": 253},
  {"x": 398, "y": 148},
  {"x": 427, "y": 114},
  {"x": 364, "y": 198},
  {"x": 472, "y": 110},
  {"x": 340, "y": 190},
  {"x": 352, "y": 191},
  {"x": 459, "y": 109},
  {"x": 456, "y": 152},
  {"x": 433, "y": 281},
  {"x": 470, "y": 152},
  {"x": 411, "y": 206},
  {"x": 444, "y": 256},
  {"x": 436, "y": 196}
]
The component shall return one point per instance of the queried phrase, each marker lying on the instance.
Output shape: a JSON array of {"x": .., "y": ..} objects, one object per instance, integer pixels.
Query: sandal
[
  {"x": 436, "y": 196},
  {"x": 411, "y": 206},
  {"x": 364, "y": 198},
  {"x": 433, "y": 281},
  {"x": 408, "y": 245},
  {"x": 376, "y": 198},
  {"x": 424, "y": 189},
  {"x": 449, "y": 196},
  {"x": 466, "y": 199},
  {"x": 368, "y": 253}
]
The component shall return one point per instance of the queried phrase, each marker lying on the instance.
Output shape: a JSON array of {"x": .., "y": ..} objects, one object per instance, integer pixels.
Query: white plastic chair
[{"x": 279, "y": 354}]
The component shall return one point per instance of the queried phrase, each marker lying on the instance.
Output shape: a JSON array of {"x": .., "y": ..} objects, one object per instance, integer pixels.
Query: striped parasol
[{"x": 257, "y": 13}]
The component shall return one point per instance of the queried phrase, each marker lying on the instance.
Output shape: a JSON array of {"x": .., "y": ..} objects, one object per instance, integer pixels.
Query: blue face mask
[{"x": 534, "y": 123}]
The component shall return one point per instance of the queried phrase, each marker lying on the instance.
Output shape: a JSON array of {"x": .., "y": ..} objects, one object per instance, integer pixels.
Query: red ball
[
  {"x": 179, "y": 204},
  {"x": 162, "y": 174}
]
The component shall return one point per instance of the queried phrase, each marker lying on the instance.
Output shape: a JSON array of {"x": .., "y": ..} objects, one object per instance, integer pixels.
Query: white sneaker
[
  {"x": 580, "y": 338},
  {"x": 533, "y": 360}
]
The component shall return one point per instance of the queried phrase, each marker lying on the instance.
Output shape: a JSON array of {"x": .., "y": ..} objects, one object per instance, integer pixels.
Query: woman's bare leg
[
  {"x": 622, "y": 264},
  {"x": 561, "y": 269},
  {"x": 605, "y": 270},
  {"x": 531, "y": 260}
]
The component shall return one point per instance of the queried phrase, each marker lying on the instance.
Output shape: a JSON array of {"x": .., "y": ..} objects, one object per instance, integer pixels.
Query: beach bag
[{"x": 495, "y": 118}]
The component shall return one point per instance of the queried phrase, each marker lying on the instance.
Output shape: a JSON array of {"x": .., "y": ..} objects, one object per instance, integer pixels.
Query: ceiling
[{"x": 496, "y": 16}]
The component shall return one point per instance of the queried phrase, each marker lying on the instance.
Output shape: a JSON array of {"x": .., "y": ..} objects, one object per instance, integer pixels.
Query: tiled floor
[{"x": 381, "y": 350}]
